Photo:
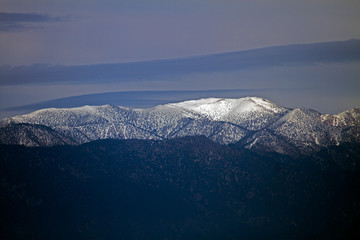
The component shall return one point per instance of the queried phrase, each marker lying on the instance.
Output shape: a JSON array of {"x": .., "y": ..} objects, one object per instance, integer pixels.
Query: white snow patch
[
  {"x": 252, "y": 144},
  {"x": 217, "y": 108}
]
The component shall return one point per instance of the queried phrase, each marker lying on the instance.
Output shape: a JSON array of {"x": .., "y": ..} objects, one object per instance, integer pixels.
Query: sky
[{"x": 40, "y": 34}]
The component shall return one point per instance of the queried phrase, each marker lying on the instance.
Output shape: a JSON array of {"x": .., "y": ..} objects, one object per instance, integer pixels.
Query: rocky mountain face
[{"x": 254, "y": 122}]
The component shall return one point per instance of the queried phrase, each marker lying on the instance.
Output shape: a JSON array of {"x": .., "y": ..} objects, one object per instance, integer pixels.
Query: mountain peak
[{"x": 220, "y": 108}]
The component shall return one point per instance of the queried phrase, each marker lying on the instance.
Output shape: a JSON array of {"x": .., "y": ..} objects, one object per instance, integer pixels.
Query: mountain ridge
[{"x": 257, "y": 122}]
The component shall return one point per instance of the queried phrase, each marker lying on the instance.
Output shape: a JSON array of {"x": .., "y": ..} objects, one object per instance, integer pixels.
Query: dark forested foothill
[{"x": 185, "y": 188}]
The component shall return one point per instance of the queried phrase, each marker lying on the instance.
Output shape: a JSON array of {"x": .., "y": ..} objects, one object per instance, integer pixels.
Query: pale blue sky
[
  {"x": 73, "y": 33},
  {"x": 104, "y": 31}
]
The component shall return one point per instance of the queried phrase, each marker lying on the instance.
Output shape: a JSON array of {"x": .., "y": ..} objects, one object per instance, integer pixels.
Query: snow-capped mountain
[{"x": 252, "y": 121}]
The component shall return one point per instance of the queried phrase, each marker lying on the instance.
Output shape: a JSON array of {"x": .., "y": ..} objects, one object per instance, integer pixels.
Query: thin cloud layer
[
  {"x": 136, "y": 99},
  {"x": 292, "y": 55},
  {"x": 20, "y": 21}
]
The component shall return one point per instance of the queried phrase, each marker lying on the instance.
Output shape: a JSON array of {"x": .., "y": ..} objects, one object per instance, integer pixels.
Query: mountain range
[
  {"x": 254, "y": 122},
  {"x": 210, "y": 168}
]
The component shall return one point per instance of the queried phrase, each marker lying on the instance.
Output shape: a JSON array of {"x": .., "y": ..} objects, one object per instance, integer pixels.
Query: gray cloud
[
  {"x": 19, "y": 21},
  {"x": 292, "y": 55}
]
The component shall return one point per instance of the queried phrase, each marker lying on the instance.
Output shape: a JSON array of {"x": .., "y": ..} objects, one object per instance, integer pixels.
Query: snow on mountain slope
[
  {"x": 306, "y": 129},
  {"x": 87, "y": 123},
  {"x": 219, "y": 108},
  {"x": 302, "y": 125},
  {"x": 71, "y": 117},
  {"x": 256, "y": 122},
  {"x": 32, "y": 135},
  {"x": 251, "y": 113},
  {"x": 347, "y": 118}
]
